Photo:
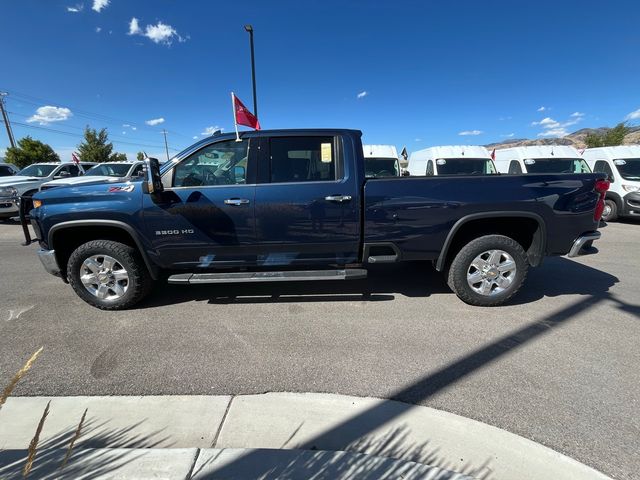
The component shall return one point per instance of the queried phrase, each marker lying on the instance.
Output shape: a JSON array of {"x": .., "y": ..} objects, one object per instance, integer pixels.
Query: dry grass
[
  {"x": 16, "y": 378},
  {"x": 76, "y": 435},
  {"x": 33, "y": 446}
]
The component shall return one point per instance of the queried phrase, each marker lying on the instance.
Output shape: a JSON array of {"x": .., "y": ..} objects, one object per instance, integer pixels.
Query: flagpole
[{"x": 235, "y": 123}]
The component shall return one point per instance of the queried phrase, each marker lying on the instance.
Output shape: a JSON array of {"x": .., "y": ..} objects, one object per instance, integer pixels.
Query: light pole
[{"x": 249, "y": 29}]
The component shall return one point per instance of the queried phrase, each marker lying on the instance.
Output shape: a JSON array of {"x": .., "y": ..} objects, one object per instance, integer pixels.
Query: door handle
[
  {"x": 338, "y": 198},
  {"x": 236, "y": 201}
]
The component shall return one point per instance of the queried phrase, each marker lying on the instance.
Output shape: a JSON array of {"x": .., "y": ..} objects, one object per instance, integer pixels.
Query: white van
[
  {"x": 622, "y": 166},
  {"x": 381, "y": 161},
  {"x": 451, "y": 160},
  {"x": 540, "y": 159}
]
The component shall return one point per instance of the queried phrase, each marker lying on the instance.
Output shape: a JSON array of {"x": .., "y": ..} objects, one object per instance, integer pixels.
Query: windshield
[
  {"x": 630, "y": 170},
  {"x": 465, "y": 166},
  {"x": 381, "y": 167},
  {"x": 36, "y": 170},
  {"x": 110, "y": 169},
  {"x": 5, "y": 171},
  {"x": 557, "y": 165}
]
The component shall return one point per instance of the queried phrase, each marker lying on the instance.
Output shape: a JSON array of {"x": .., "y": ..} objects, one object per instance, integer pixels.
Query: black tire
[
  {"x": 612, "y": 216},
  {"x": 462, "y": 265},
  {"x": 138, "y": 284}
]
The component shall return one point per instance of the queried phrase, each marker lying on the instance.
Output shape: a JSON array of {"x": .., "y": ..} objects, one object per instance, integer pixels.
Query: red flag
[
  {"x": 243, "y": 116},
  {"x": 493, "y": 155},
  {"x": 75, "y": 158}
]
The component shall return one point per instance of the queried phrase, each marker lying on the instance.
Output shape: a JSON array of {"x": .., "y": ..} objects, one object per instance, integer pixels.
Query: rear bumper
[
  {"x": 49, "y": 262},
  {"x": 582, "y": 244}
]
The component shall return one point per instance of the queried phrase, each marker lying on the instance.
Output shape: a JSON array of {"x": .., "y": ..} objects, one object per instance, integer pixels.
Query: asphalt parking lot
[{"x": 558, "y": 365}]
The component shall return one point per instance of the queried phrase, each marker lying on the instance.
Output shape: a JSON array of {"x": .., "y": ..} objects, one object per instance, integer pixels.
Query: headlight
[
  {"x": 8, "y": 192},
  {"x": 630, "y": 188}
]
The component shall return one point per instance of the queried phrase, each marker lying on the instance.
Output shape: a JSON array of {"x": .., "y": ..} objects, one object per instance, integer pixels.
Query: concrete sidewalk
[{"x": 295, "y": 435}]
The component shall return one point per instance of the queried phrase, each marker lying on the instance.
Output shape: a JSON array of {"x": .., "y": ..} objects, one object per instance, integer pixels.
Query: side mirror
[
  {"x": 153, "y": 180},
  {"x": 239, "y": 173}
]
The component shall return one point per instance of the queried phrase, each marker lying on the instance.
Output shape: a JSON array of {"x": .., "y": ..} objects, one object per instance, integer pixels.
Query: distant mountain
[{"x": 575, "y": 139}]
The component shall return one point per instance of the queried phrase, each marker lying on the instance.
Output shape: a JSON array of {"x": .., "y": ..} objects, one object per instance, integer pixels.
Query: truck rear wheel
[
  {"x": 488, "y": 270},
  {"x": 108, "y": 275}
]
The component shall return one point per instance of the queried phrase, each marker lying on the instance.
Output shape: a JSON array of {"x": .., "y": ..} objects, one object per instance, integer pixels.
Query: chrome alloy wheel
[
  {"x": 491, "y": 272},
  {"x": 104, "y": 277},
  {"x": 606, "y": 211}
]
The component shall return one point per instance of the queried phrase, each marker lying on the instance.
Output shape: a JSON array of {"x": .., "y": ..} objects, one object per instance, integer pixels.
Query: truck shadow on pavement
[{"x": 557, "y": 276}]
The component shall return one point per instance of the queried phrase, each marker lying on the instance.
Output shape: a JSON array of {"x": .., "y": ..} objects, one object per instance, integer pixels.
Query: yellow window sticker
[{"x": 325, "y": 153}]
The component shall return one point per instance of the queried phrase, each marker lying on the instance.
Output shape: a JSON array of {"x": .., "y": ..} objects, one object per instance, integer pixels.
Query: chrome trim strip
[{"x": 581, "y": 241}]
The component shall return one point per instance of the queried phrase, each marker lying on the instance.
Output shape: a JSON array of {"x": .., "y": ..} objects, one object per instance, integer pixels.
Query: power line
[
  {"x": 77, "y": 135},
  {"x": 33, "y": 100},
  {"x": 66, "y": 125}
]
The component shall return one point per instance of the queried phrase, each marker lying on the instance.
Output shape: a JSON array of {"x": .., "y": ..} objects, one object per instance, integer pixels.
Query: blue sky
[{"x": 406, "y": 73}]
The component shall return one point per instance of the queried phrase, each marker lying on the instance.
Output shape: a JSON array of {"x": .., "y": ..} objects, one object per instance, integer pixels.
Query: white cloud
[
  {"x": 507, "y": 135},
  {"x": 125, "y": 125},
  {"x": 134, "y": 28},
  {"x": 98, "y": 29},
  {"x": 155, "y": 121},
  {"x": 417, "y": 139},
  {"x": 577, "y": 115},
  {"x": 76, "y": 8},
  {"x": 546, "y": 122},
  {"x": 211, "y": 130},
  {"x": 47, "y": 114},
  {"x": 134, "y": 128},
  {"x": 635, "y": 115},
  {"x": 470, "y": 132},
  {"x": 554, "y": 132},
  {"x": 99, "y": 5},
  {"x": 124, "y": 133},
  {"x": 362, "y": 94},
  {"x": 195, "y": 137},
  {"x": 542, "y": 109},
  {"x": 505, "y": 118}
]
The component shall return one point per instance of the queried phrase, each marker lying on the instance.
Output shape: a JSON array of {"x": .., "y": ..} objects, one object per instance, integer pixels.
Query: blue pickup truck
[{"x": 295, "y": 205}]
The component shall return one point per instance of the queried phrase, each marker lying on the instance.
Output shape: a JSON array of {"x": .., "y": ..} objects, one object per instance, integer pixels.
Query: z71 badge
[{"x": 121, "y": 188}]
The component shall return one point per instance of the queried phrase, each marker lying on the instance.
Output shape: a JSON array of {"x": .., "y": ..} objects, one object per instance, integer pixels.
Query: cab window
[
  {"x": 222, "y": 163},
  {"x": 302, "y": 159},
  {"x": 602, "y": 166},
  {"x": 515, "y": 168}
]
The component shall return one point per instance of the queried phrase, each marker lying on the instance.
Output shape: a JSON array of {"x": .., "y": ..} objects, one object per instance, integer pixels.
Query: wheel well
[
  {"x": 528, "y": 232},
  {"x": 616, "y": 198},
  {"x": 66, "y": 240}
]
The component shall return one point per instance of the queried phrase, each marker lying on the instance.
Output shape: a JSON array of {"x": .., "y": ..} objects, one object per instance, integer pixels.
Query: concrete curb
[
  {"x": 300, "y": 421},
  {"x": 212, "y": 463}
]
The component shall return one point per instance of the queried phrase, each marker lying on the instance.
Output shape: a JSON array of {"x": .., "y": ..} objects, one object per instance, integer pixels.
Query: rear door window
[
  {"x": 302, "y": 159},
  {"x": 602, "y": 166},
  {"x": 514, "y": 167}
]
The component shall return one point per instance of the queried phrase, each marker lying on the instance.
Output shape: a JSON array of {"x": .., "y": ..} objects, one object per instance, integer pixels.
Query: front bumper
[
  {"x": 583, "y": 244},
  {"x": 49, "y": 262},
  {"x": 631, "y": 204},
  {"x": 8, "y": 207}
]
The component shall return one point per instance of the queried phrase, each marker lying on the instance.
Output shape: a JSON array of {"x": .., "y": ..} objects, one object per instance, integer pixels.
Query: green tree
[
  {"x": 96, "y": 146},
  {"x": 140, "y": 155},
  {"x": 616, "y": 135},
  {"x": 611, "y": 138},
  {"x": 593, "y": 140},
  {"x": 30, "y": 151},
  {"x": 118, "y": 157}
]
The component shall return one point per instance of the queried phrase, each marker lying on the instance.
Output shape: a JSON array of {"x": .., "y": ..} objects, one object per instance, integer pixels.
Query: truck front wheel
[
  {"x": 488, "y": 270},
  {"x": 108, "y": 275}
]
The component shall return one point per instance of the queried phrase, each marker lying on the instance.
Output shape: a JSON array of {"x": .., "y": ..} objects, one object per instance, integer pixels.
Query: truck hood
[
  {"x": 88, "y": 179},
  {"x": 15, "y": 179}
]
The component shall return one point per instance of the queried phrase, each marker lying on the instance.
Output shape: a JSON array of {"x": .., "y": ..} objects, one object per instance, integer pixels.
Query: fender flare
[
  {"x": 153, "y": 270},
  {"x": 440, "y": 262}
]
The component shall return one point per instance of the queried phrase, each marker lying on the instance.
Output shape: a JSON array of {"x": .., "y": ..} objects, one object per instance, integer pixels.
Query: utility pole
[
  {"x": 249, "y": 29},
  {"x": 6, "y": 119},
  {"x": 166, "y": 147}
]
